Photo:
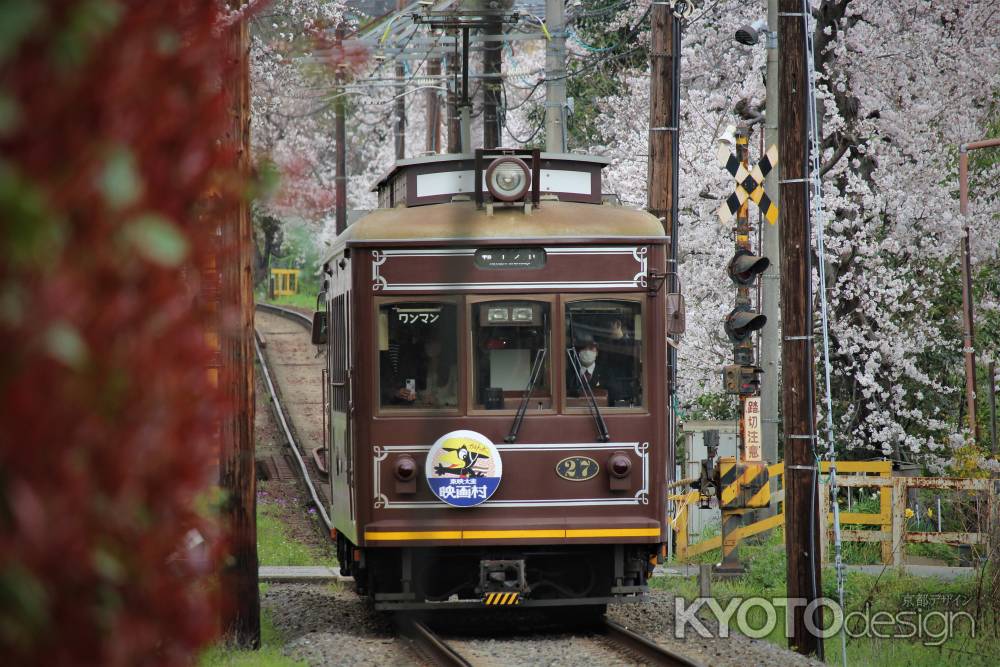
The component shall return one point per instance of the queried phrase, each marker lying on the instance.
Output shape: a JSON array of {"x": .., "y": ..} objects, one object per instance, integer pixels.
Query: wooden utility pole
[
  {"x": 802, "y": 525},
  {"x": 968, "y": 314},
  {"x": 340, "y": 138},
  {"x": 492, "y": 83},
  {"x": 991, "y": 375},
  {"x": 399, "y": 130},
  {"x": 237, "y": 476},
  {"x": 433, "y": 104},
  {"x": 664, "y": 61},
  {"x": 454, "y": 119}
]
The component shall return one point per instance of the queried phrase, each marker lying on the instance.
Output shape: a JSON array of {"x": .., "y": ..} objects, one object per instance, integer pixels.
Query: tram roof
[{"x": 447, "y": 224}]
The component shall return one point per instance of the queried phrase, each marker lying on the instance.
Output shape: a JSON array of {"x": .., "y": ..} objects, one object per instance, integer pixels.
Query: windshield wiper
[
  {"x": 536, "y": 369},
  {"x": 602, "y": 428}
]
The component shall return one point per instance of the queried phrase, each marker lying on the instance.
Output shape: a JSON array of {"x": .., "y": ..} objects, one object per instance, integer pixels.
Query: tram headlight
[
  {"x": 406, "y": 468},
  {"x": 619, "y": 465},
  {"x": 508, "y": 178}
]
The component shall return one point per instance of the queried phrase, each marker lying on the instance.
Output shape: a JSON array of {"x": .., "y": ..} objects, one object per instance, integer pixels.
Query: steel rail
[
  {"x": 431, "y": 645},
  {"x": 288, "y": 313},
  {"x": 649, "y": 650},
  {"x": 283, "y": 420}
]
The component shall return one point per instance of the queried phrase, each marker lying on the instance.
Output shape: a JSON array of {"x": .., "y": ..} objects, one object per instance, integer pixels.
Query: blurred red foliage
[{"x": 110, "y": 119}]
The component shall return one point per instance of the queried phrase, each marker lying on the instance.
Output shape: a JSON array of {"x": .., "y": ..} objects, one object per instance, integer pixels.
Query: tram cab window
[
  {"x": 418, "y": 355},
  {"x": 508, "y": 337},
  {"x": 606, "y": 337}
]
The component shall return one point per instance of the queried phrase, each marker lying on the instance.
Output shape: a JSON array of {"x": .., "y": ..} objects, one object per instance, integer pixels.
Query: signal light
[
  {"x": 741, "y": 322},
  {"x": 741, "y": 380},
  {"x": 745, "y": 266}
]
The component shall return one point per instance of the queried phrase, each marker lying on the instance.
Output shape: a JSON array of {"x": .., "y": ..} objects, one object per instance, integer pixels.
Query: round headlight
[
  {"x": 406, "y": 468},
  {"x": 619, "y": 465},
  {"x": 508, "y": 179}
]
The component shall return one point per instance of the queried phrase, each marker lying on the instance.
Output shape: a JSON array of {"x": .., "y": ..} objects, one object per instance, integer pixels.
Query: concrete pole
[
  {"x": 555, "y": 77},
  {"x": 770, "y": 335}
]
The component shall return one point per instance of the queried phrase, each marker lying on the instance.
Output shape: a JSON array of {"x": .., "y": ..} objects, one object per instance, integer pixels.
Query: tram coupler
[{"x": 502, "y": 582}]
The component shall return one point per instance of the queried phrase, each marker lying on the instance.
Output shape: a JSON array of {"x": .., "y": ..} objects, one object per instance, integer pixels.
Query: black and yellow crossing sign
[
  {"x": 502, "y": 599},
  {"x": 749, "y": 184},
  {"x": 743, "y": 485}
]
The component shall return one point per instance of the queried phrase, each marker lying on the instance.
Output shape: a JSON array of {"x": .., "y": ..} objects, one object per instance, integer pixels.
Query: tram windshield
[
  {"x": 507, "y": 337},
  {"x": 607, "y": 338},
  {"x": 418, "y": 355}
]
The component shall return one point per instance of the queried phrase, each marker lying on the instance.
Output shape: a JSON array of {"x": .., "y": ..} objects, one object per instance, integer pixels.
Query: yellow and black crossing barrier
[
  {"x": 502, "y": 599},
  {"x": 743, "y": 484}
]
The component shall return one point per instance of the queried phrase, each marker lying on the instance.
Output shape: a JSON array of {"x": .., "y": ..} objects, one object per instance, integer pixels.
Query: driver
[{"x": 594, "y": 373}]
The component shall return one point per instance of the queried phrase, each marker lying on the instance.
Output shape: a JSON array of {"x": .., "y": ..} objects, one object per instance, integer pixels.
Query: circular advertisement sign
[{"x": 463, "y": 468}]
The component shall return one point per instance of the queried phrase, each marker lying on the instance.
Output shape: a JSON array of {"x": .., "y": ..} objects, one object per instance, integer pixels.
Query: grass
[
  {"x": 269, "y": 654},
  {"x": 892, "y": 592},
  {"x": 276, "y": 547}
]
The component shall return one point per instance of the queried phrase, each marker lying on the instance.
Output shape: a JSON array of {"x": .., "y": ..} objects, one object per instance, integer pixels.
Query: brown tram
[{"x": 496, "y": 354}]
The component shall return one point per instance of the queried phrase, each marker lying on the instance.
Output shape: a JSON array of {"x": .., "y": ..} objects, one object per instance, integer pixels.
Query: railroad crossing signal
[
  {"x": 741, "y": 322},
  {"x": 749, "y": 184}
]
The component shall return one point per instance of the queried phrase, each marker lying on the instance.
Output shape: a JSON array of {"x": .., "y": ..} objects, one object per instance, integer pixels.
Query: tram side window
[
  {"x": 418, "y": 355},
  {"x": 507, "y": 339},
  {"x": 607, "y": 338}
]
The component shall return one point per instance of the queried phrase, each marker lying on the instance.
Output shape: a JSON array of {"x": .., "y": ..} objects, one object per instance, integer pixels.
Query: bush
[{"x": 110, "y": 116}]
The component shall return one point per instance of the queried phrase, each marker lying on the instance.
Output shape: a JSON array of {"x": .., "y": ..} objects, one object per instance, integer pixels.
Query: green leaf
[
  {"x": 65, "y": 344},
  {"x": 31, "y": 234},
  {"x": 88, "y": 22},
  {"x": 10, "y": 112},
  {"x": 157, "y": 239},
  {"x": 17, "y": 19},
  {"x": 118, "y": 181}
]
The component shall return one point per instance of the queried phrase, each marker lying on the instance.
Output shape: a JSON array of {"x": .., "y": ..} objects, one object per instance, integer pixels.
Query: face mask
[{"x": 587, "y": 357}]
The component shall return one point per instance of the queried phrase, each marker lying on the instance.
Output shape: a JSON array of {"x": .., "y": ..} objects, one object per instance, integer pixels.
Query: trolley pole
[
  {"x": 237, "y": 478},
  {"x": 340, "y": 139},
  {"x": 802, "y": 524},
  {"x": 555, "y": 77},
  {"x": 664, "y": 82}
]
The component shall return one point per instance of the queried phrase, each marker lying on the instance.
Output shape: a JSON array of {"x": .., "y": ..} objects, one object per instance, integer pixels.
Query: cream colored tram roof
[{"x": 461, "y": 221}]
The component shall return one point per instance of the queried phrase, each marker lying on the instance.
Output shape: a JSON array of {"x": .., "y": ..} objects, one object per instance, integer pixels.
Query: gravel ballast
[{"x": 325, "y": 625}]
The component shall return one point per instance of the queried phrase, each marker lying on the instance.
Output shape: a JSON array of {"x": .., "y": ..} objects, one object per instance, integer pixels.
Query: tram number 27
[{"x": 577, "y": 468}]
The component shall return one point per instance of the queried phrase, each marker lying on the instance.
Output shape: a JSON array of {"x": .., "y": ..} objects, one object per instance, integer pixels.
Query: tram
[{"x": 495, "y": 336}]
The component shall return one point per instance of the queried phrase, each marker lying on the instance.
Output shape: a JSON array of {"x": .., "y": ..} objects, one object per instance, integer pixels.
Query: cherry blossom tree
[{"x": 901, "y": 85}]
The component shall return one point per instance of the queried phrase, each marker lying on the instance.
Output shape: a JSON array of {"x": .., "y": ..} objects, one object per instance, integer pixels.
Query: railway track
[
  {"x": 429, "y": 645},
  {"x": 647, "y": 650},
  {"x": 432, "y": 647},
  {"x": 283, "y": 415}
]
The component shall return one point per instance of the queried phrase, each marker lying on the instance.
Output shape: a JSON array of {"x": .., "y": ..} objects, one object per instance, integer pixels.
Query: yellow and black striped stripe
[
  {"x": 502, "y": 599},
  {"x": 743, "y": 484},
  {"x": 755, "y": 476}
]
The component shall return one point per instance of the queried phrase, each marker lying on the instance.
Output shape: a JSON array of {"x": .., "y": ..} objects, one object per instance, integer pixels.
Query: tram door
[{"x": 341, "y": 447}]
